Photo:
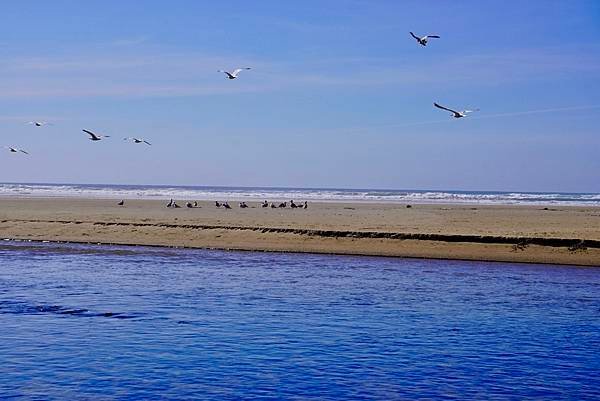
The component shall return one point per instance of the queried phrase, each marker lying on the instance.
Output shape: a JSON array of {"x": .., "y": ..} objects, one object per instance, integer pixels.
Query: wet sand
[{"x": 536, "y": 234}]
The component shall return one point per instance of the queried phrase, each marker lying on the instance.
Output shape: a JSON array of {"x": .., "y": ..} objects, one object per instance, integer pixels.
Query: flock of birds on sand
[
  {"x": 233, "y": 74},
  {"x": 243, "y": 205}
]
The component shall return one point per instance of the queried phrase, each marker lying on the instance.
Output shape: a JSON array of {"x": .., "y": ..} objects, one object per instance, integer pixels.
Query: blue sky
[{"x": 339, "y": 95}]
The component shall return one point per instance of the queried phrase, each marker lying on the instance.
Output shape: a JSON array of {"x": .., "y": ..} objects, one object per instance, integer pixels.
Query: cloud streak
[
  {"x": 371, "y": 128},
  {"x": 133, "y": 41},
  {"x": 541, "y": 111},
  {"x": 160, "y": 74}
]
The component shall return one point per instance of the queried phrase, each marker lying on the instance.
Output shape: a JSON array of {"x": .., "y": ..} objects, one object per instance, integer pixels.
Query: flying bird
[
  {"x": 137, "y": 140},
  {"x": 95, "y": 137},
  {"x": 423, "y": 40},
  {"x": 15, "y": 150},
  {"x": 233, "y": 74},
  {"x": 455, "y": 114},
  {"x": 39, "y": 123}
]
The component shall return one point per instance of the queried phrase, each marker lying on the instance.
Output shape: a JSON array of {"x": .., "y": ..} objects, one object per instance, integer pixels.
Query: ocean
[
  {"x": 299, "y": 194},
  {"x": 105, "y": 322}
]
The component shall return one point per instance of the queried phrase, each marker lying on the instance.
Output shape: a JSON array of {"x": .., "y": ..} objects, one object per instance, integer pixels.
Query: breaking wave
[{"x": 314, "y": 194}]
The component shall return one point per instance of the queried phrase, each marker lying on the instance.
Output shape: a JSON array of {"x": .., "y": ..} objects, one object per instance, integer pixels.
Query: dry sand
[{"x": 565, "y": 235}]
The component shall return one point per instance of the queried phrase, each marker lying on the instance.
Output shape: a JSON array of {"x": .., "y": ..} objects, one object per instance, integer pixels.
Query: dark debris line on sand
[{"x": 574, "y": 244}]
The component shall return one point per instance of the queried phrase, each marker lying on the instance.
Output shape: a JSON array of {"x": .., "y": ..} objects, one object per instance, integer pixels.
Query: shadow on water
[
  {"x": 23, "y": 308},
  {"x": 58, "y": 248}
]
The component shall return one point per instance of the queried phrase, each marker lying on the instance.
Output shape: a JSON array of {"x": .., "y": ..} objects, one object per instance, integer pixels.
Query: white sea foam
[{"x": 298, "y": 194}]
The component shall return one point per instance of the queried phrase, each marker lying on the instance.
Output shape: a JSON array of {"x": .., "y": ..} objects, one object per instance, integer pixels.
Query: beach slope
[{"x": 536, "y": 234}]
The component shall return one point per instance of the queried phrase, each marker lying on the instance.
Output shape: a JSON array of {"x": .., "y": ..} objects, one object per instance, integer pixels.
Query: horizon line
[{"x": 302, "y": 188}]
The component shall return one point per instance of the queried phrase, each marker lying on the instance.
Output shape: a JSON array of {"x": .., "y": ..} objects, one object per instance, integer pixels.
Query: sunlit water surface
[{"x": 98, "y": 322}]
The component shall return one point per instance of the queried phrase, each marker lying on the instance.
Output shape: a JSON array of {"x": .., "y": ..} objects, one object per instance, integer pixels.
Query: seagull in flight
[
  {"x": 137, "y": 140},
  {"x": 39, "y": 123},
  {"x": 455, "y": 114},
  {"x": 95, "y": 137},
  {"x": 15, "y": 150},
  {"x": 423, "y": 40},
  {"x": 233, "y": 74}
]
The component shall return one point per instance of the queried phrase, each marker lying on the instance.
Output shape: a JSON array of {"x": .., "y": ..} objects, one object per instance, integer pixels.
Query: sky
[{"x": 339, "y": 95}]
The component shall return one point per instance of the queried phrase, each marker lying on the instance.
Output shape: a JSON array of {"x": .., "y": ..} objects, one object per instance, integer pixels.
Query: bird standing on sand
[
  {"x": 95, "y": 137},
  {"x": 233, "y": 74},
  {"x": 137, "y": 140},
  {"x": 170, "y": 204},
  {"x": 455, "y": 114},
  {"x": 226, "y": 205},
  {"x": 15, "y": 150},
  {"x": 121, "y": 203},
  {"x": 423, "y": 39}
]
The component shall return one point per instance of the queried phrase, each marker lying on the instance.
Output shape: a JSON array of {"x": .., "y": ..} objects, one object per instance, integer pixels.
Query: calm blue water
[{"x": 98, "y": 322}]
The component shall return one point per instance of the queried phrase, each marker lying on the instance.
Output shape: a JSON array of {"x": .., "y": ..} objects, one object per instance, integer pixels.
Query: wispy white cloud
[
  {"x": 540, "y": 111},
  {"x": 133, "y": 41},
  {"x": 131, "y": 74},
  {"x": 25, "y": 119},
  {"x": 62, "y": 90},
  {"x": 450, "y": 120}
]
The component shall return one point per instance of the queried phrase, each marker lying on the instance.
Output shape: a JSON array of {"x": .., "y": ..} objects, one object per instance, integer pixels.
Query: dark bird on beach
[
  {"x": 189, "y": 205},
  {"x": 455, "y": 114},
  {"x": 265, "y": 204},
  {"x": 121, "y": 203},
  {"x": 15, "y": 150},
  {"x": 233, "y": 74},
  {"x": 95, "y": 137},
  {"x": 305, "y": 205},
  {"x": 423, "y": 39},
  {"x": 273, "y": 206},
  {"x": 226, "y": 205},
  {"x": 195, "y": 204},
  {"x": 293, "y": 205},
  {"x": 217, "y": 204},
  {"x": 170, "y": 204},
  {"x": 283, "y": 204}
]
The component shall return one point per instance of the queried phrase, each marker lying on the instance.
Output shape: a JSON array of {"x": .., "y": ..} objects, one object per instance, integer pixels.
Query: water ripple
[{"x": 94, "y": 322}]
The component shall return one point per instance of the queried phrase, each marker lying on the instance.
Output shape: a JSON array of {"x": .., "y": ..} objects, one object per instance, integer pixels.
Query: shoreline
[
  {"x": 366, "y": 255},
  {"x": 336, "y": 195},
  {"x": 528, "y": 234},
  {"x": 256, "y": 199},
  {"x": 402, "y": 203}
]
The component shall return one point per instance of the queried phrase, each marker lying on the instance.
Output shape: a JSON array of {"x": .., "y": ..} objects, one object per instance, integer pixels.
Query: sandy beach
[{"x": 537, "y": 234}]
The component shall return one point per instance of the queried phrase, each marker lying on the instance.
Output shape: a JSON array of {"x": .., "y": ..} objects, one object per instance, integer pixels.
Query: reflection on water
[{"x": 97, "y": 322}]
